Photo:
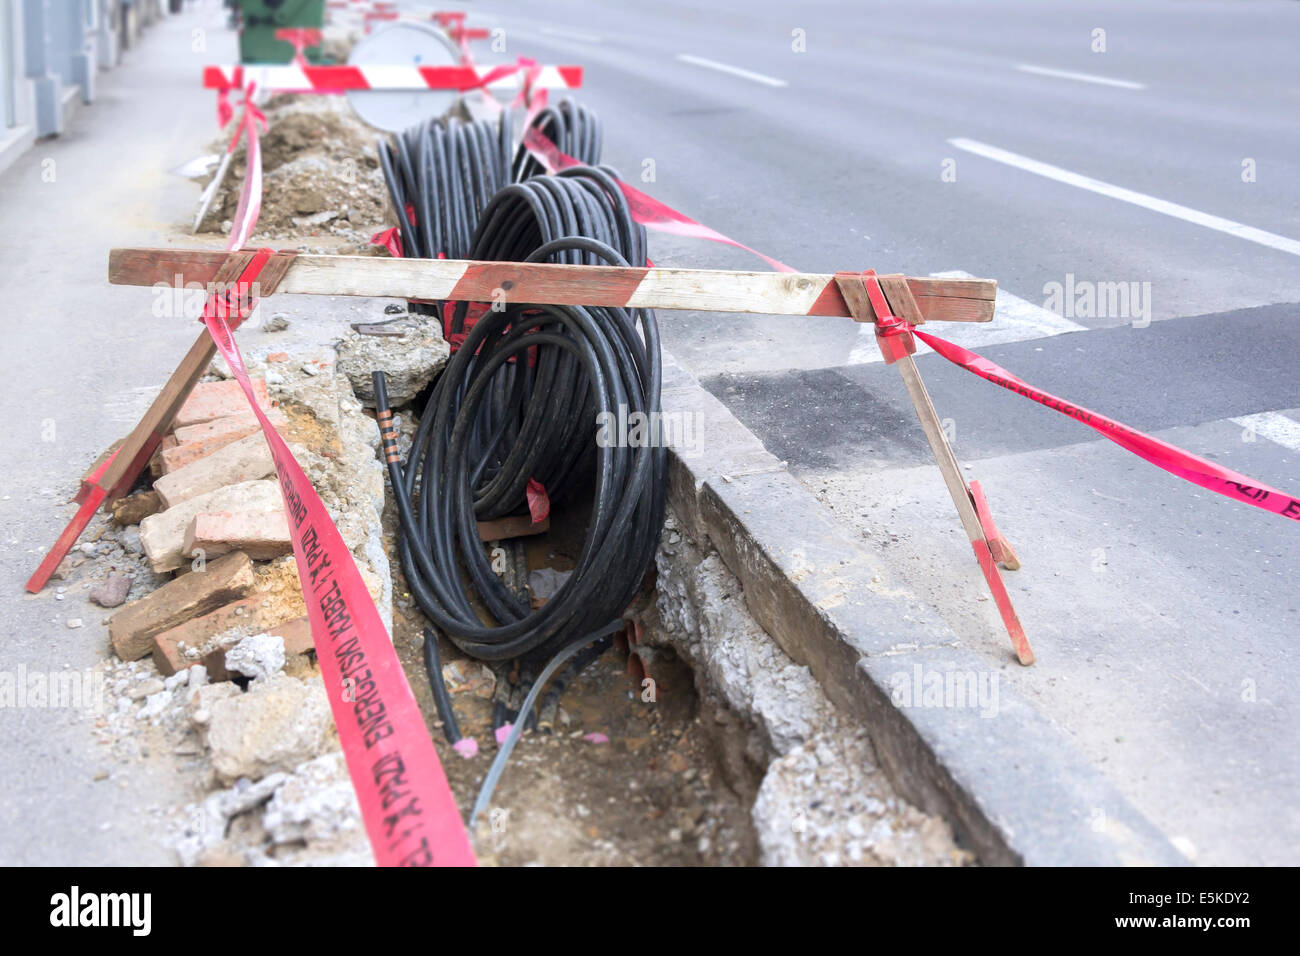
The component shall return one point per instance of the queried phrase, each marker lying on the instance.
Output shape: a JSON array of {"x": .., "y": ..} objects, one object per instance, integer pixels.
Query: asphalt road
[{"x": 911, "y": 137}]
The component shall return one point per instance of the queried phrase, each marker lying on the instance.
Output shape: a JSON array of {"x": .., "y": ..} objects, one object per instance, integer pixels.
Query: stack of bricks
[{"x": 215, "y": 508}]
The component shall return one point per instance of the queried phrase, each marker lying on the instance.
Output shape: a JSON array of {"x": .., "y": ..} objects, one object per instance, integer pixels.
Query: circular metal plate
[{"x": 403, "y": 43}]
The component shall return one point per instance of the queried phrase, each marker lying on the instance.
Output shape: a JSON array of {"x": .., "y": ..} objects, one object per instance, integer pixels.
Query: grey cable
[{"x": 499, "y": 764}]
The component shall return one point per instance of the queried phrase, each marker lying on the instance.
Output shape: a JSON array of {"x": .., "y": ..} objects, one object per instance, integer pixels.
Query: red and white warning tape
[
  {"x": 250, "y": 194},
  {"x": 296, "y": 78},
  {"x": 646, "y": 210},
  {"x": 408, "y": 809}
]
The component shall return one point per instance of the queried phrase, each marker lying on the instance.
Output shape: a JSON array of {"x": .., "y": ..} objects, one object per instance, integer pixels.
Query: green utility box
[{"x": 261, "y": 18}]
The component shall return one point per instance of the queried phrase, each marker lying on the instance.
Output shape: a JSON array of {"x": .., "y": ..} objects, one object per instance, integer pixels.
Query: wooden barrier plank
[{"x": 711, "y": 290}]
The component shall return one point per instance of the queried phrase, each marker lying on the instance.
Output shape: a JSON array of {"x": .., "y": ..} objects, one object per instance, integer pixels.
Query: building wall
[{"x": 51, "y": 52}]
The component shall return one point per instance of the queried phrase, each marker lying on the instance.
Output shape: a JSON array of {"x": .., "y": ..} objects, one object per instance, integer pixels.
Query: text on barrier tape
[
  {"x": 408, "y": 809},
  {"x": 1171, "y": 458}
]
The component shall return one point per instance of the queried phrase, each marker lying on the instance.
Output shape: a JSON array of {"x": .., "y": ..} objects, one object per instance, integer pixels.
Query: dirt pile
[{"x": 320, "y": 172}]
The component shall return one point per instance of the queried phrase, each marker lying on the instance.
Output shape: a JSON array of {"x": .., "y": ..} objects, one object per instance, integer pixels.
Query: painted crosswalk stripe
[
  {"x": 1014, "y": 320},
  {"x": 1274, "y": 426}
]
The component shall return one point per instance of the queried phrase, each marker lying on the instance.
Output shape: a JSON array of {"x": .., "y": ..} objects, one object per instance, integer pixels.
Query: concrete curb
[{"x": 1012, "y": 786}]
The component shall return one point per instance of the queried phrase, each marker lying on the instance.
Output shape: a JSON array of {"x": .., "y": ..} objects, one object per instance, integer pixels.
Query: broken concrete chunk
[
  {"x": 316, "y": 803},
  {"x": 163, "y": 534},
  {"x": 212, "y": 400},
  {"x": 410, "y": 360},
  {"x": 132, "y": 628},
  {"x": 207, "y": 822},
  {"x": 258, "y": 656},
  {"x": 261, "y": 535},
  {"x": 278, "y": 724},
  {"x": 247, "y": 459},
  {"x": 545, "y": 583},
  {"x": 135, "y": 508},
  {"x": 204, "y": 696}
]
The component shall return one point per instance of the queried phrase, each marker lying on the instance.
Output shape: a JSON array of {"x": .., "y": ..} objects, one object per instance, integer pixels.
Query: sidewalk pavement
[{"x": 79, "y": 364}]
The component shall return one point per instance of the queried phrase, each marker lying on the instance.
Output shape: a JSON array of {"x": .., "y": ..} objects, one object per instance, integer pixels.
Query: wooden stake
[
  {"x": 115, "y": 478},
  {"x": 899, "y": 353}
]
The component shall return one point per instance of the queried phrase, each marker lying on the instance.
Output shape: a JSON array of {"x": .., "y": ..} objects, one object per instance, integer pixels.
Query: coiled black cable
[
  {"x": 523, "y": 399},
  {"x": 572, "y": 127},
  {"x": 442, "y": 173},
  {"x": 440, "y": 176},
  {"x": 519, "y": 401}
]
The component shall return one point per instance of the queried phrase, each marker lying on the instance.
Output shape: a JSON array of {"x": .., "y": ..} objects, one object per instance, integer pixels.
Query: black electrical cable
[
  {"x": 441, "y": 699},
  {"x": 522, "y": 399},
  {"x": 440, "y": 175},
  {"x": 572, "y": 127},
  {"x": 546, "y": 710}
]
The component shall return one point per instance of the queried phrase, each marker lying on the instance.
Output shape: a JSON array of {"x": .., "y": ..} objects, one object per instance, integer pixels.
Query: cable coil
[{"x": 520, "y": 401}]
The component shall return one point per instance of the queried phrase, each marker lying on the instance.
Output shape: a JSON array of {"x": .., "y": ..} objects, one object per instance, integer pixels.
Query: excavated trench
[{"x": 693, "y": 741}]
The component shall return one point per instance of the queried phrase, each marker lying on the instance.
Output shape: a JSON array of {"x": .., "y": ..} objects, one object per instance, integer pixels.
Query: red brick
[
  {"x": 237, "y": 619},
  {"x": 133, "y": 627},
  {"x": 170, "y": 657},
  {"x": 297, "y": 636},
  {"x": 195, "y": 442},
  {"x": 212, "y": 400},
  {"x": 259, "y": 534}
]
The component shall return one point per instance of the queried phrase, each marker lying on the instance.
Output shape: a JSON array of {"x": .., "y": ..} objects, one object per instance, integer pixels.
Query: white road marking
[
  {"x": 570, "y": 35},
  {"x": 733, "y": 70},
  {"x": 1014, "y": 320},
  {"x": 1082, "y": 77},
  {"x": 1274, "y": 426},
  {"x": 1249, "y": 233}
]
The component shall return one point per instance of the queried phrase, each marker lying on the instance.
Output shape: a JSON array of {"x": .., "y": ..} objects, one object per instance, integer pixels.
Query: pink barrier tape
[
  {"x": 539, "y": 502},
  {"x": 250, "y": 194},
  {"x": 1172, "y": 459},
  {"x": 390, "y": 239},
  {"x": 646, "y": 210},
  {"x": 408, "y": 809}
]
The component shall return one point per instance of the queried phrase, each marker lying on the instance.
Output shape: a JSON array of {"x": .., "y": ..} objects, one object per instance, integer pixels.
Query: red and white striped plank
[
  {"x": 708, "y": 290},
  {"x": 292, "y": 77}
]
